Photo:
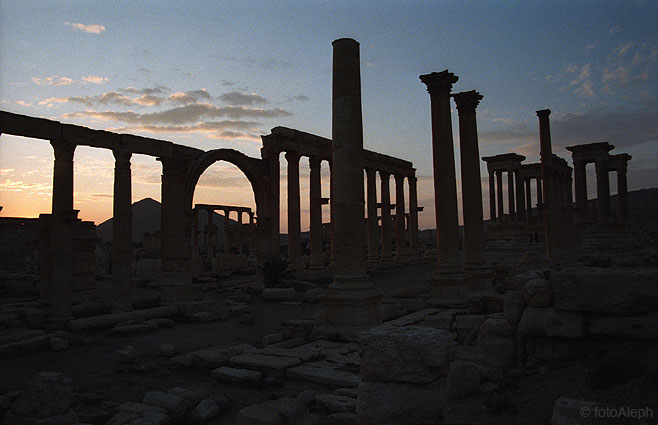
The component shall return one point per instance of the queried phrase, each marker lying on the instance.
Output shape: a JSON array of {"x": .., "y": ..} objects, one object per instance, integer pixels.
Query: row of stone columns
[
  {"x": 60, "y": 283},
  {"x": 316, "y": 201},
  {"x": 210, "y": 232}
]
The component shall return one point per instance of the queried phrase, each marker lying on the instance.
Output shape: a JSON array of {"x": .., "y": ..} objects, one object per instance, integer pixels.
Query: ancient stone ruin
[{"x": 549, "y": 307}]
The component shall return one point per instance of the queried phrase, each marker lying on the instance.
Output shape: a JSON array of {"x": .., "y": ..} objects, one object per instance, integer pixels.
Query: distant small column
[
  {"x": 520, "y": 196},
  {"x": 332, "y": 245},
  {"x": 492, "y": 197},
  {"x": 510, "y": 194},
  {"x": 603, "y": 187},
  {"x": 239, "y": 231},
  {"x": 580, "y": 181},
  {"x": 122, "y": 233},
  {"x": 227, "y": 231},
  {"x": 413, "y": 216},
  {"x": 528, "y": 198},
  {"x": 400, "y": 231},
  {"x": 540, "y": 202},
  {"x": 499, "y": 187},
  {"x": 550, "y": 185},
  {"x": 195, "y": 231},
  {"x": 315, "y": 200},
  {"x": 386, "y": 216},
  {"x": 449, "y": 281},
  {"x": 210, "y": 240},
  {"x": 622, "y": 193},
  {"x": 61, "y": 237},
  {"x": 371, "y": 204}
]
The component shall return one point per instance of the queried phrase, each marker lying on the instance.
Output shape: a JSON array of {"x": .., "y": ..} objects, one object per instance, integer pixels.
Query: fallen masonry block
[
  {"x": 239, "y": 376},
  {"x": 109, "y": 320},
  {"x": 323, "y": 376}
]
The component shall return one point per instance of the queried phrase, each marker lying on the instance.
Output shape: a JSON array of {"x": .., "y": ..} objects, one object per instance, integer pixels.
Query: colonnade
[
  {"x": 296, "y": 144},
  {"x": 210, "y": 231},
  {"x": 604, "y": 163}
]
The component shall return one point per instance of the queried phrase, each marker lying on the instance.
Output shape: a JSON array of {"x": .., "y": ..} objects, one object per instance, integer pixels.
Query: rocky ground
[{"x": 241, "y": 355}]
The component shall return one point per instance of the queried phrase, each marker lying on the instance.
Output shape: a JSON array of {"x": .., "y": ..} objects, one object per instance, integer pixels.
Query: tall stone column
[
  {"x": 449, "y": 283},
  {"x": 122, "y": 233},
  {"x": 227, "y": 231},
  {"x": 510, "y": 195},
  {"x": 210, "y": 240},
  {"x": 315, "y": 199},
  {"x": 499, "y": 187},
  {"x": 386, "y": 216},
  {"x": 400, "y": 231},
  {"x": 271, "y": 155},
  {"x": 351, "y": 304},
  {"x": 61, "y": 237},
  {"x": 373, "y": 240},
  {"x": 332, "y": 245},
  {"x": 492, "y": 197},
  {"x": 622, "y": 193},
  {"x": 540, "y": 201},
  {"x": 413, "y": 216},
  {"x": 175, "y": 282},
  {"x": 195, "y": 231},
  {"x": 294, "y": 226},
  {"x": 603, "y": 187},
  {"x": 549, "y": 183},
  {"x": 520, "y": 196},
  {"x": 478, "y": 274},
  {"x": 580, "y": 181},
  {"x": 528, "y": 198}
]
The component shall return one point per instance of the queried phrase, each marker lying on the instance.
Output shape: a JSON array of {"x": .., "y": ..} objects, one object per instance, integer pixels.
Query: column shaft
[
  {"x": 520, "y": 196},
  {"x": 386, "y": 216},
  {"x": 540, "y": 202},
  {"x": 371, "y": 186},
  {"x": 174, "y": 242},
  {"x": 294, "y": 225},
  {"x": 122, "y": 233},
  {"x": 603, "y": 187},
  {"x": 580, "y": 181},
  {"x": 445, "y": 186},
  {"x": 227, "y": 231},
  {"x": 471, "y": 181},
  {"x": 400, "y": 232},
  {"x": 510, "y": 195},
  {"x": 501, "y": 200},
  {"x": 413, "y": 216},
  {"x": 622, "y": 194},
  {"x": 492, "y": 197},
  {"x": 528, "y": 198},
  {"x": 315, "y": 199}
]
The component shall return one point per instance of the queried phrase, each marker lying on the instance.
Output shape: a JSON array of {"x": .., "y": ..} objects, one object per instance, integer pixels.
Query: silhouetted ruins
[{"x": 353, "y": 327}]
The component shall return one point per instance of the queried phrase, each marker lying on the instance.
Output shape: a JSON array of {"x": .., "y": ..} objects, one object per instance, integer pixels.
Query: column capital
[
  {"x": 173, "y": 166},
  {"x": 439, "y": 83},
  {"x": 384, "y": 175},
  {"x": 63, "y": 149},
  {"x": 370, "y": 172},
  {"x": 543, "y": 113},
  {"x": 122, "y": 157},
  {"x": 399, "y": 178},
  {"x": 467, "y": 101},
  {"x": 314, "y": 162},
  {"x": 292, "y": 156}
]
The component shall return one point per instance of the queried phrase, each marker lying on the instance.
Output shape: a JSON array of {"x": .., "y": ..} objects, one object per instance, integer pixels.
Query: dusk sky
[{"x": 217, "y": 74}]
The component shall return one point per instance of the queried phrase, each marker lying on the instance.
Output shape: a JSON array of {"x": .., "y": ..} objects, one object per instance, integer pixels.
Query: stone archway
[{"x": 256, "y": 173}]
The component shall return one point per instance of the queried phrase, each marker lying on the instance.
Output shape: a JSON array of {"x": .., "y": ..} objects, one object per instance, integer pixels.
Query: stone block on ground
[
  {"x": 606, "y": 291},
  {"x": 262, "y": 362},
  {"x": 496, "y": 346},
  {"x": 384, "y": 403},
  {"x": 643, "y": 326},
  {"x": 240, "y": 376},
  {"x": 170, "y": 402},
  {"x": 323, "y": 375},
  {"x": 279, "y": 294},
  {"x": 336, "y": 403},
  {"x": 463, "y": 379},
  {"x": 412, "y": 354},
  {"x": 569, "y": 411},
  {"x": 514, "y": 305},
  {"x": 67, "y": 418},
  {"x": 205, "y": 410},
  {"x": 547, "y": 321},
  {"x": 538, "y": 293},
  {"x": 47, "y": 394},
  {"x": 466, "y": 323}
]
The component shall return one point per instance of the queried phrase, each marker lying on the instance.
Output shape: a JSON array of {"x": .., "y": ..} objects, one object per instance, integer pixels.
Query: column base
[
  {"x": 373, "y": 263},
  {"x": 478, "y": 276},
  {"x": 402, "y": 259},
  {"x": 448, "y": 290},
  {"x": 351, "y": 305}
]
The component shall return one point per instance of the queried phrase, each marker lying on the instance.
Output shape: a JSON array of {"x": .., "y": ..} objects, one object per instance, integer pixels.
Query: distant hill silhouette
[{"x": 146, "y": 219}]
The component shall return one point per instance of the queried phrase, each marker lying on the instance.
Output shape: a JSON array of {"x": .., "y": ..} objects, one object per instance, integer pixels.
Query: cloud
[
  {"x": 91, "y": 29},
  {"x": 19, "y": 186},
  {"x": 249, "y": 62},
  {"x": 93, "y": 79},
  {"x": 23, "y": 103},
  {"x": 581, "y": 85},
  {"x": 183, "y": 114},
  {"x": 237, "y": 98},
  {"x": 301, "y": 98},
  {"x": 189, "y": 96},
  {"x": 52, "y": 81},
  {"x": 112, "y": 97},
  {"x": 216, "y": 129},
  {"x": 148, "y": 90}
]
